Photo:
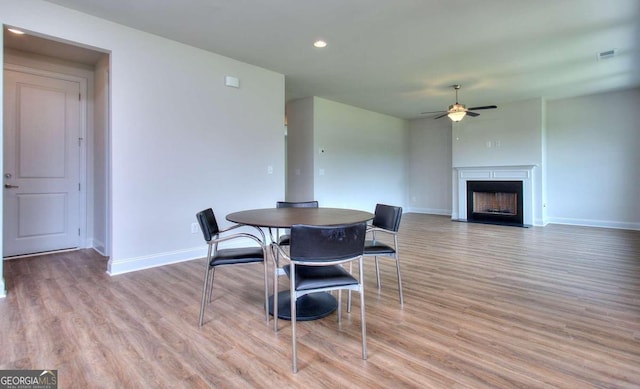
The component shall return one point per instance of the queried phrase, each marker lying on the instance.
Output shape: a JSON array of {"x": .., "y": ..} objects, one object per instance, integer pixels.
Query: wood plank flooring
[{"x": 485, "y": 307}]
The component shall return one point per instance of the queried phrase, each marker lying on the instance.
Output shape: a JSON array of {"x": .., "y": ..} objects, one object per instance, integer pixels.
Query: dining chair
[
  {"x": 283, "y": 239},
  {"x": 316, "y": 255},
  {"x": 386, "y": 221},
  {"x": 213, "y": 235}
]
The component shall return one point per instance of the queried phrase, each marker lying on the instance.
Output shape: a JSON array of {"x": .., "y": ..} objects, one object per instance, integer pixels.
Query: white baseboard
[
  {"x": 594, "y": 223},
  {"x": 429, "y": 211},
  {"x": 128, "y": 265},
  {"x": 541, "y": 223}
]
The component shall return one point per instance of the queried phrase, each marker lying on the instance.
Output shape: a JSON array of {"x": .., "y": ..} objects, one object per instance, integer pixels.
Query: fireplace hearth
[{"x": 495, "y": 202}]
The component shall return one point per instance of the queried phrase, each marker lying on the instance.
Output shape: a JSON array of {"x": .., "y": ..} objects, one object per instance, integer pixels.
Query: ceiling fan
[{"x": 457, "y": 111}]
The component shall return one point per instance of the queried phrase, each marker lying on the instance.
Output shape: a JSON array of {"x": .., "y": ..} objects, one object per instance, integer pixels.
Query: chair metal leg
[
  {"x": 396, "y": 256},
  {"x": 213, "y": 274},
  {"x": 204, "y": 294},
  {"x": 349, "y": 296},
  {"x": 377, "y": 271},
  {"x": 399, "y": 279},
  {"x": 266, "y": 287},
  {"x": 275, "y": 300},
  {"x": 205, "y": 285},
  {"x": 362, "y": 314},
  {"x": 276, "y": 264},
  {"x": 340, "y": 304},
  {"x": 293, "y": 319},
  {"x": 364, "y": 326}
]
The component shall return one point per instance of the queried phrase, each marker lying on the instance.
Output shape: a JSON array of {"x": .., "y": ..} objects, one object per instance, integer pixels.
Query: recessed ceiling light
[
  {"x": 15, "y": 31},
  {"x": 320, "y": 44}
]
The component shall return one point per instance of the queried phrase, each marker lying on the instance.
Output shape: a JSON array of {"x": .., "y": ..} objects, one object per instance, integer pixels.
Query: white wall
[
  {"x": 364, "y": 154},
  {"x": 429, "y": 189},
  {"x": 180, "y": 140},
  {"x": 300, "y": 153},
  {"x": 509, "y": 135},
  {"x": 594, "y": 160},
  {"x": 364, "y": 159}
]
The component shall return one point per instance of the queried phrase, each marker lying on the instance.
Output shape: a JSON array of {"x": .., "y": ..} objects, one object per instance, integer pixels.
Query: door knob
[{"x": 11, "y": 186}]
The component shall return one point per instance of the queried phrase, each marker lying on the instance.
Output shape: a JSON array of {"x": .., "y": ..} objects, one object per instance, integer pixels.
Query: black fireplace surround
[{"x": 496, "y": 216}]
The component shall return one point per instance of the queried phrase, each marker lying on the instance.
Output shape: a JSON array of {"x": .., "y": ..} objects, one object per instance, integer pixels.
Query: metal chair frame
[
  {"x": 210, "y": 270},
  {"x": 295, "y": 294},
  {"x": 395, "y": 256},
  {"x": 373, "y": 229},
  {"x": 276, "y": 247}
]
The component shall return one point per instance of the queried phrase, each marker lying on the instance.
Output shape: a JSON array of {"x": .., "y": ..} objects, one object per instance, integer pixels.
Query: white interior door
[{"x": 41, "y": 163}]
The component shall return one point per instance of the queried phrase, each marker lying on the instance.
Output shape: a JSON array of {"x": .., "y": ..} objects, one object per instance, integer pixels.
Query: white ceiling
[{"x": 399, "y": 57}]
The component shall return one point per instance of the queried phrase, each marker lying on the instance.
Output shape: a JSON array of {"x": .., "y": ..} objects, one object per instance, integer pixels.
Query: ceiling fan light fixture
[
  {"x": 320, "y": 44},
  {"x": 457, "y": 112}
]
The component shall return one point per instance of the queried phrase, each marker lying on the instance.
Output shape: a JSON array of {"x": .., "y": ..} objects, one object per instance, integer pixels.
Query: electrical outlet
[{"x": 195, "y": 228}]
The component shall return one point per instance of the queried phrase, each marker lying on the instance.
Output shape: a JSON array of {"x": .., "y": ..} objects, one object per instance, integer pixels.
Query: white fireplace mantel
[{"x": 523, "y": 173}]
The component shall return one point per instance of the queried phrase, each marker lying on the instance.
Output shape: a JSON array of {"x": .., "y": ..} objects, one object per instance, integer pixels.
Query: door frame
[{"x": 85, "y": 80}]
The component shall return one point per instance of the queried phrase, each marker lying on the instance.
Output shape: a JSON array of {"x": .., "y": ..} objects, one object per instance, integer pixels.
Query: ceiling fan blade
[
  {"x": 426, "y": 113},
  {"x": 484, "y": 107},
  {"x": 472, "y": 114},
  {"x": 441, "y": 116}
]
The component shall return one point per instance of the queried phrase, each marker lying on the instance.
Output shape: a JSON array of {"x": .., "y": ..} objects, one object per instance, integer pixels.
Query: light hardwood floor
[{"x": 485, "y": 306}]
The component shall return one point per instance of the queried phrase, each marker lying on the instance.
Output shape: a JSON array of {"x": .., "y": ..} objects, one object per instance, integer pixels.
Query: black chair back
[
  {"x": 208, "y": 224},
  {"x": 327, "y": 243},
  {"x": 387, "y": 217},
  {"x": 297, "y": 204}
]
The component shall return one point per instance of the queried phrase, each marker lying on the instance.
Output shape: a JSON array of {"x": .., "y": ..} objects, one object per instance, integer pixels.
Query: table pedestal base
[{"x": 308, "y": 307}]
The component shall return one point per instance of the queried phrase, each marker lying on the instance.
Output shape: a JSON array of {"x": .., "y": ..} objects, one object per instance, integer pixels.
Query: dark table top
[{"x": 286, "y": 217}]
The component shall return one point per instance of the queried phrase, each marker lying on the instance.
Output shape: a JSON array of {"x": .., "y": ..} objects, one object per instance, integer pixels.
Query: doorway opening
[{"x": 48, "y": 58}]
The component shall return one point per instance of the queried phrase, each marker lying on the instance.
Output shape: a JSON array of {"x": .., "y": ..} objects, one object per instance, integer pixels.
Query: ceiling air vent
[{"x": 607, "y": 54}]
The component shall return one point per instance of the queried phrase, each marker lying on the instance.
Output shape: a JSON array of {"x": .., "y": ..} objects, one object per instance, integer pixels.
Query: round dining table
[{"x": 315, "y": 305}]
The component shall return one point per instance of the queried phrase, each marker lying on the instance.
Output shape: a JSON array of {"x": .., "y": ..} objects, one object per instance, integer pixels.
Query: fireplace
[
  {"x": 494, "y": 201},
  {"x": 521, "y": 175}
]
